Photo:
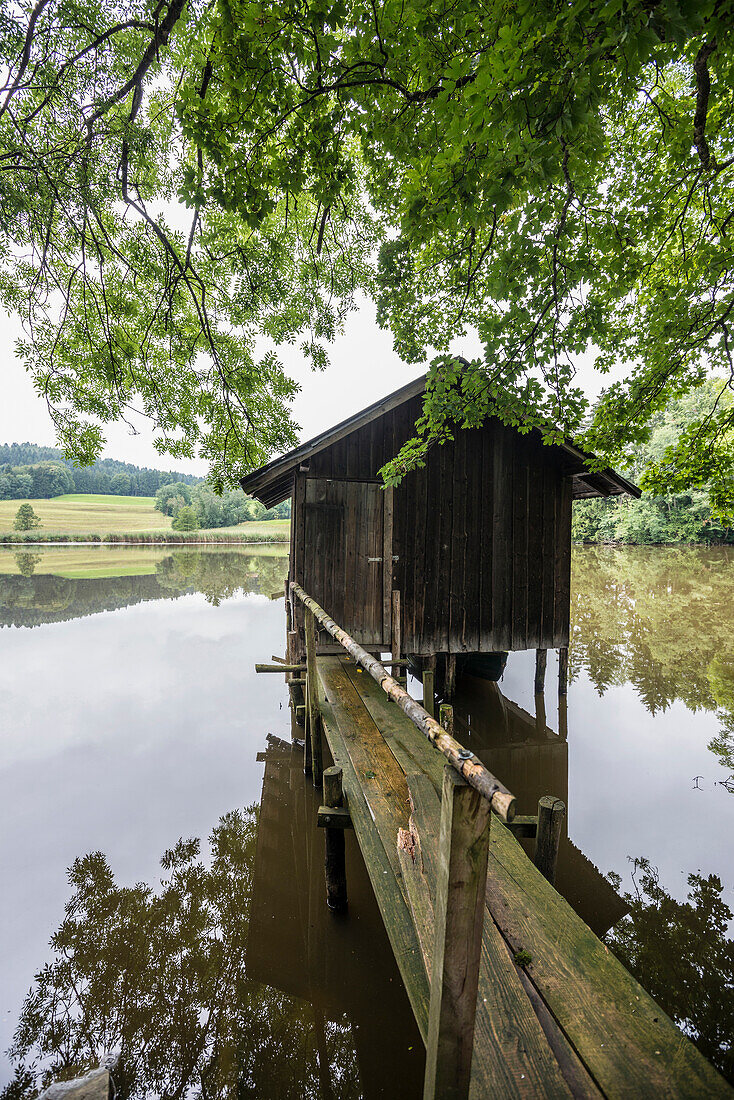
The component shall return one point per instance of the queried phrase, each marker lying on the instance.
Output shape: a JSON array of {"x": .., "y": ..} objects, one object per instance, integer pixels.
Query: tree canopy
[{"x": 185, "y": 186}]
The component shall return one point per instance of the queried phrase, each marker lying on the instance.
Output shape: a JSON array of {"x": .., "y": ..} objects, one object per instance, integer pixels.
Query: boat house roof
[{"x": 273, "y": 482}]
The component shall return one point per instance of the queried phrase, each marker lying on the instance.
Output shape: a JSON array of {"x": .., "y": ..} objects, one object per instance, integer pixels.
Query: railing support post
[
  {"x": 551, "y": 812},
  {"x": 460, "y": 903},
  {"x": 334, "y": 861},
  {"x": 313, "y": 717}
]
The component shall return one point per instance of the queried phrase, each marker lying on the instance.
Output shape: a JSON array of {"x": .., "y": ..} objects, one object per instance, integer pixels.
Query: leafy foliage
[
  {"x": 693, "y": 515},
  {"x": 186, "y": 519},
  {"x": 26, "y": 519},
  {"x": 185, "y": 187},
  {"x": 52, "y": 474}
]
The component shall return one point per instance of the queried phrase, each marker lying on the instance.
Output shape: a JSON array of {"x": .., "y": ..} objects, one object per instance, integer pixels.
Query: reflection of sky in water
[
  {"x": 122, "y": 732},
  {"x": 630, "y": 784}
]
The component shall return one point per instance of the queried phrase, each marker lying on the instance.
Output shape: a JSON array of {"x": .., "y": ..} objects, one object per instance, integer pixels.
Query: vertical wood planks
[
  {"x": 519, "y": 565},
  {"x": 313, "y": 728},
  {"x": 387, "y": 540},
  {"x": 502, "y": 540},
  {"x": 459, "y": 921}
]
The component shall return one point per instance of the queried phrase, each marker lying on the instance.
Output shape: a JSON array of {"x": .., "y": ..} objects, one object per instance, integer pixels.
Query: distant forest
[{"x": 30, "y": 471}]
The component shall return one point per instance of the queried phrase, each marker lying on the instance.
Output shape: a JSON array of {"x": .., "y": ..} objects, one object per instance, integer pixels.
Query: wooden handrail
[{"x": 465, "y": 762}]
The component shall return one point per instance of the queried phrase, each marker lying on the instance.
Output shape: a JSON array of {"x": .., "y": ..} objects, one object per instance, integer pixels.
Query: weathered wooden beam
[
  {"x": 459, "y": 921},
  {"x": 541, "y": 720},
  {"x": 429, "y": 694},
  {"x": 334, "y": 861},
  {"x": 280, "y": 668},
  {"x": 450, "y": 677},
  {"x": 563, "y": 670},
  {"x": 523, "y": 825},
  {"x": 551, "y": 812},
  {"x": 541, "y": 659},
  {"x": 446, "y": 717},
  {"x": 313, "y": 718},
  {"x": 396, "y": 636},
  {"x": 465, "y": 762}
]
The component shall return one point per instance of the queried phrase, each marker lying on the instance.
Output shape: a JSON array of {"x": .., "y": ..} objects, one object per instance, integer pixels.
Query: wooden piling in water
[
  {"x": 334, "y": 860},
  {"x": 459, "y": 920},
  {"x": 446, "y": 717},
  {"x": 563, "y": 670},
  {"x": 551, "y": 812},
  {"x": 429, "y": 694},
  {"x": 313, "y": 717},
  {"x": 541, "y": 658}
]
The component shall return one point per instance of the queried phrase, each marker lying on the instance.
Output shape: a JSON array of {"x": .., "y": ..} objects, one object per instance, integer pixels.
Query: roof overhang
[{"x": 273, "y": 483}]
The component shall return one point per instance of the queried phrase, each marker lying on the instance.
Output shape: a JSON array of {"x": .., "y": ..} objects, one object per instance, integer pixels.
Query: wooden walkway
[{"x": 569, "y": 1022}]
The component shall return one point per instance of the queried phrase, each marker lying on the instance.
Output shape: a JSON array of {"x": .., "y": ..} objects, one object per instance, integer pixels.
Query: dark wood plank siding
[{"x": 481, "y": 537}]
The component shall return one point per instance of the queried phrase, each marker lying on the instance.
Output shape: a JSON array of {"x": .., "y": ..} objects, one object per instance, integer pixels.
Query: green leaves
[{"x": 178, "y": 202}]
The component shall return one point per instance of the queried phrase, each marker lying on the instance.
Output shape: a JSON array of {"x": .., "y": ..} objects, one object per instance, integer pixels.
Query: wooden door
[{"x": 343, "y": 555}]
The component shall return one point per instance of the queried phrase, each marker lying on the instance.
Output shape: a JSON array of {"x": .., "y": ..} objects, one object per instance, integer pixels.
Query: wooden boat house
[{"x": 477, "y": 543}]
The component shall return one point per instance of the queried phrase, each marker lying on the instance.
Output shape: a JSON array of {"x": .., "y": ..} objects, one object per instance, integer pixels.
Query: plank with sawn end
[
  {"x": 512, "y": 1057},
  {"x": 390, "y": 900},
  {"x": 627, "y": 1043}
]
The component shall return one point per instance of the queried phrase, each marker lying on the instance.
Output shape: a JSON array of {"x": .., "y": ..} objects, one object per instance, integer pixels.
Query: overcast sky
[{"x": 363, "y": 369}]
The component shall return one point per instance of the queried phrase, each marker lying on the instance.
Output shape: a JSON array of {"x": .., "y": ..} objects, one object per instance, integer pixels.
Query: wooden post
[
  {"x": 396, "y": 637},
  {"x": 563, "y": 670},
  {"x": 446, "y": 717},
  {"x": 334, "y": 862},
  {"x": 449, "y": 689},
  {"x": 313, "y": 718},
  {"x": 429, "y": 696},
  {"x": 460, "y": 901},
  {"x": 541, "y": 656},
  {"x": 563, "y": 717},
  {"x": 541, "y": 719},
  {"x": 551, "y": 812}
]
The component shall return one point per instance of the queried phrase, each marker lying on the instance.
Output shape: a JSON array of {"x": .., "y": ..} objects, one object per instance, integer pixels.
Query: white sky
[{"x": 363, "y": 369}]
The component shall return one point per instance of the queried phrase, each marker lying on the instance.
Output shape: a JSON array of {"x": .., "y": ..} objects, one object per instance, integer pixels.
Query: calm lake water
[{"x": 134, "y": 724}]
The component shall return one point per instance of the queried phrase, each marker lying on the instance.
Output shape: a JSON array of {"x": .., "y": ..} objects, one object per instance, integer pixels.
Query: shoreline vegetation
[{"x": 145, "y": 538}]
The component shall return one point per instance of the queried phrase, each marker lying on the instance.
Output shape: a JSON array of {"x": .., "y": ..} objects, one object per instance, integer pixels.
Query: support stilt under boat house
[{"x": 477, "y": 543}]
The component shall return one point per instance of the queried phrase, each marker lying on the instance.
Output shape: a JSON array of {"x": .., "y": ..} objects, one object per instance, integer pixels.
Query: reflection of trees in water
[
  {"x": 680, "y": 953},
  {"x": 32, "y": 600},
  {"x": 161, "y": 978},
  {"x": 27, "y": 562},
  {"x": 663, "y": 620}
]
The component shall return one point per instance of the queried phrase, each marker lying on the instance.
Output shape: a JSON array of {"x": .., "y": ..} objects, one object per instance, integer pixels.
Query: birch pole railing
[{"x": 465, "y": 762}]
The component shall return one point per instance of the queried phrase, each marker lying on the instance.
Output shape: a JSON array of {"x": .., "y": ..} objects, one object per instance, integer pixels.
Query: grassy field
[
  {"x": 84, "y": 515},
  {"x": 78, "y": 512}
]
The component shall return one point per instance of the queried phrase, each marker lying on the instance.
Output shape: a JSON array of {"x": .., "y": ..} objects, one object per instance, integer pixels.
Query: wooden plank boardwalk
[{"x": 557, "y": 1014}]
